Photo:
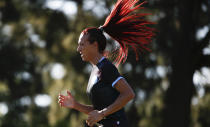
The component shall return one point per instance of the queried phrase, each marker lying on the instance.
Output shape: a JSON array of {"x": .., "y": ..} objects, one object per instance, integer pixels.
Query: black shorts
[{"x": 122, "y": 122}]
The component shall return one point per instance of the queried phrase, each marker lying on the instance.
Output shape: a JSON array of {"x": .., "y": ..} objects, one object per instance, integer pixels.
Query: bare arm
[
  {"x": 126, "y": 94},
  {"x": 83, "y": 108},
  {"x": 69, "y": 102}
]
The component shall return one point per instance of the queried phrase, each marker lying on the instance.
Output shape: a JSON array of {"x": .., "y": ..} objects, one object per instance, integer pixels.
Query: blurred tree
[
  {"x": 34, "y": 40},
  {"x": 17, "y": 65},
  {"x": 177, "y": 39}
]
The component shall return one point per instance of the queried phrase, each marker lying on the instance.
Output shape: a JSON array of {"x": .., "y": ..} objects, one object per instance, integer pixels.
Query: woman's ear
[{"x": 96, "y": 44}]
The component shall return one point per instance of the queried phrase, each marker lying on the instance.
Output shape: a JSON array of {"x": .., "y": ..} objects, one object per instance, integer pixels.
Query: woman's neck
[{"x": 96, "y": 59}]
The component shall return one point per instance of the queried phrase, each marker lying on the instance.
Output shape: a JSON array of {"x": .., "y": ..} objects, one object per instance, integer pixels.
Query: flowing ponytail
[{"x": 129, "y": 30}]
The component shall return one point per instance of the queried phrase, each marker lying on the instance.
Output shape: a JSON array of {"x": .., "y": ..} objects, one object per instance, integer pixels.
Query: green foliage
[{"x": 33, "y": 39}]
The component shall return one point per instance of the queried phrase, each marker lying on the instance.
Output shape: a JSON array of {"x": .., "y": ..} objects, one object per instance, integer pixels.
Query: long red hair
[{"x": 128, "y": 29}]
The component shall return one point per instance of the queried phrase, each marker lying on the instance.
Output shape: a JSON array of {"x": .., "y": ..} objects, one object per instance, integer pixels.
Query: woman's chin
[{"x": 83, "y": 59}]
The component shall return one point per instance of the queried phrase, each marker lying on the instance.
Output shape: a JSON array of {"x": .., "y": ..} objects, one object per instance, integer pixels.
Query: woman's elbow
[{"x": 131, "y": 95}]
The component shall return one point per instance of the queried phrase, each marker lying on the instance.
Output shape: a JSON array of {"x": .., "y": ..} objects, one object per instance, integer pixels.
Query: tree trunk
[{"x": 178, "y": 97}]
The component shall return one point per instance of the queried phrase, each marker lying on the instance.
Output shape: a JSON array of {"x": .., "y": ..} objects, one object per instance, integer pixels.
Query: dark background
[{"x": 38, "y": 59}]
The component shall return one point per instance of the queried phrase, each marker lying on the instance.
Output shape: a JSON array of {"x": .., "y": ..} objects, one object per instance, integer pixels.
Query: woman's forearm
[
  {"x": 83, "y": 108},
  {"x": 119, "y": 103}
]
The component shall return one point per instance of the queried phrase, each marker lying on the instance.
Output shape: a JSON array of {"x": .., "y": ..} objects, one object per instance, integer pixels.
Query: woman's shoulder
[{"x": 106, "y": 64}]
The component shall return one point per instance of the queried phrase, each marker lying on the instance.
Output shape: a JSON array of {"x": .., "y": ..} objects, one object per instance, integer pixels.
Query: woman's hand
[
  {"x": 66, "y": 101},
  {"x": 93, "y": 117}
]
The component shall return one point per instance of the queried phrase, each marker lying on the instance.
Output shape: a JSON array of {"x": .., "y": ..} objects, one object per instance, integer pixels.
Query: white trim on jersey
[
  {"x": 116, "y": 81},
  {"x": 102, "y": 58}
]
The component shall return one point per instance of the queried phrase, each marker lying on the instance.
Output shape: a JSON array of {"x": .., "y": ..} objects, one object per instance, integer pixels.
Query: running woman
[{"x": 108, "y": 91}]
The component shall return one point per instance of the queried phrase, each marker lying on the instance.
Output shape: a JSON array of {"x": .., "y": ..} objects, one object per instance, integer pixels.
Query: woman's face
[{"x": 85, "y": 48}]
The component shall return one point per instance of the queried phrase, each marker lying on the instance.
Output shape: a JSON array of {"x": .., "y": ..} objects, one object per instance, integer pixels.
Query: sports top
[{"x": 100, "y": 89}]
